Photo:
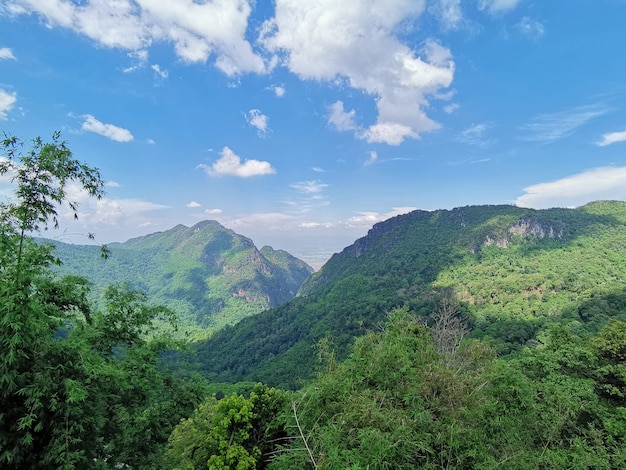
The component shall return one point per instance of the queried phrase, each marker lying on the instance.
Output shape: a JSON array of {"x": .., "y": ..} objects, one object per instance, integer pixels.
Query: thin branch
[{"x": 294, "y": 405}]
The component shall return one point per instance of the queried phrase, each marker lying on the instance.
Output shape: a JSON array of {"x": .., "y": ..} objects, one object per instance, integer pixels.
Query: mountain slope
[
  {"x": 209, "y": 275},
  {"x": 514, "y": 272}
]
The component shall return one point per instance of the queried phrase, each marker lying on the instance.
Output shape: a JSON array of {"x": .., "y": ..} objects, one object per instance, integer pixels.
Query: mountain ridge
[
  {"x": 514, "y": 272},
  {"x": 208, "y": 274}
]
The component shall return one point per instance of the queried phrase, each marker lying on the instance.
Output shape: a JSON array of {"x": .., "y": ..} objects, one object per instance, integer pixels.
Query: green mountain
[
  {"x": 209, "y": 275},
  {"x": 512, "y": 273}
]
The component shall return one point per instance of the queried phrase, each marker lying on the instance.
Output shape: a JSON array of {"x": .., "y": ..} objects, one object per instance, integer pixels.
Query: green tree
[
  {"x": 78, "y": 388},
  {"x": 232, "y": 433},
  {"x": 37, "y": 370}
]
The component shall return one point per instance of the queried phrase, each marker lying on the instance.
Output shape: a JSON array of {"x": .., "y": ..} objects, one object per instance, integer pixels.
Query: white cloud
[
  {"x": 317, "y": 169},
  {"x": 278, "y": 90},
  {"x": 549, "y": 128},
  {"x": 388, "y": 133},
  {"x": 531, "y": 28},
  {"x": 6, "y": 53},
  {"x": 259, "y": 120},
  {"x": 452, "y": 107},
  {"x": 367, "y": 219},
  {"x": 310, "y": 225},
  {"x": 198, "y": 30},
  {"x": 497, "y": 6},
  {"x": 311, "y": 197},
  {"x": 449, "y": 13},
  {"x": 110, "y": 211},
  {"x": 140, "y": 59},
  {"x": 576, "y": 190},
  {"x": 475, "y": 135},
  {"x": 7, "y": 100},
  {"x": 230, "y": 164},
  {"x": 261, "y": 220},
  {"x": 194, "y": 204},
  {"x": 109, "y": 131},
  {"x": 372, "y": 159},
  {"x": 331, "y": 40},
  {"x": 213, "y": 211},
  {"x": 309, "y": 187},
  {"x": 111, "y": 216},
  {"x": 160, "y": 72},
  {"x": 343, "y": 120},
  {"x": 612, "y": 138}
]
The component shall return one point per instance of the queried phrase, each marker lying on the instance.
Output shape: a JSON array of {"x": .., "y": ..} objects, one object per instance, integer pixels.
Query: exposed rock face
[
  {"x": 532, "y": 228},
  {"x": 527, "y": 228}
]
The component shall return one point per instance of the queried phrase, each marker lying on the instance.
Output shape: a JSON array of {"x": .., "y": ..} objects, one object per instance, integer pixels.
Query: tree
[
  {"x": 37, "y": 372},
  {"x": 78, "y": 388},
  {"x": 232, "y": 433}
]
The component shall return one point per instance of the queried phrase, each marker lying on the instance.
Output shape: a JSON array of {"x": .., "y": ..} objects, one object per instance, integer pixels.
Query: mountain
[
  {"x": 512, "y": 273},
  {"x": 209, "y": 275}
]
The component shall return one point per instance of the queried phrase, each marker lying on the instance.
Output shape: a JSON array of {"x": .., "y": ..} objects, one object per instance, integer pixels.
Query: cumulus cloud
[
  {"x": 547, "y": 128},
  {"x": 388, "y": 132},
  {"x": 7, "y": 100},
  {"x": 576, "y": 190},
  {"x": 110, "y": 131},
  {"x": 6, "y": 53},
  {"x": 198, "y": 30},
  {"x": 365, "y": 54},
  {"x": 497, "y": 6},
  {"x": 340, "y": 118},
  {"x": 194, "y": 204},
  {"x": 258, "y": 120},
  {"x": 231, "y": 164},
  {"x": 612, "y": 138},
  {"x": 367, "y": 219}
]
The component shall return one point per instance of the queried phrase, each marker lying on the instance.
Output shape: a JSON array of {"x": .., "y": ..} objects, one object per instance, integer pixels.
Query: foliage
[
  {"x": 78, "y": 388},
  {"x": 232, "y": 433},
  {"x": 397, "y": 402}
]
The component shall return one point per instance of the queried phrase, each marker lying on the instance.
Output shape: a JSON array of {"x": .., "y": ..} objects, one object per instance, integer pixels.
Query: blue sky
[{"x": 300, "y": 124}]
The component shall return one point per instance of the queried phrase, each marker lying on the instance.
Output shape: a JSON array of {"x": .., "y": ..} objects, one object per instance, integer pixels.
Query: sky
[{"x": 300, "y": 124}]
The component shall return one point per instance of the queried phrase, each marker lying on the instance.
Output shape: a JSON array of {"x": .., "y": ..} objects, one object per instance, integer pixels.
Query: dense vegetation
[
  {"x": 418, "y": 397},
  {"x": 209, "y": 275},
  {"x": 515, "y": 272}
]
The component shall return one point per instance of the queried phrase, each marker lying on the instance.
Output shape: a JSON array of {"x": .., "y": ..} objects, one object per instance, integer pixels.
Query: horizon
[{"x": 300, "y": 128}]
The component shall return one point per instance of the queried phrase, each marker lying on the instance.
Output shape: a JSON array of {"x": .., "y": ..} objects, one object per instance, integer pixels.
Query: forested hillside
[
  {"x": 511, "y": 273},
  {"x": 209, "y": 275}
]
